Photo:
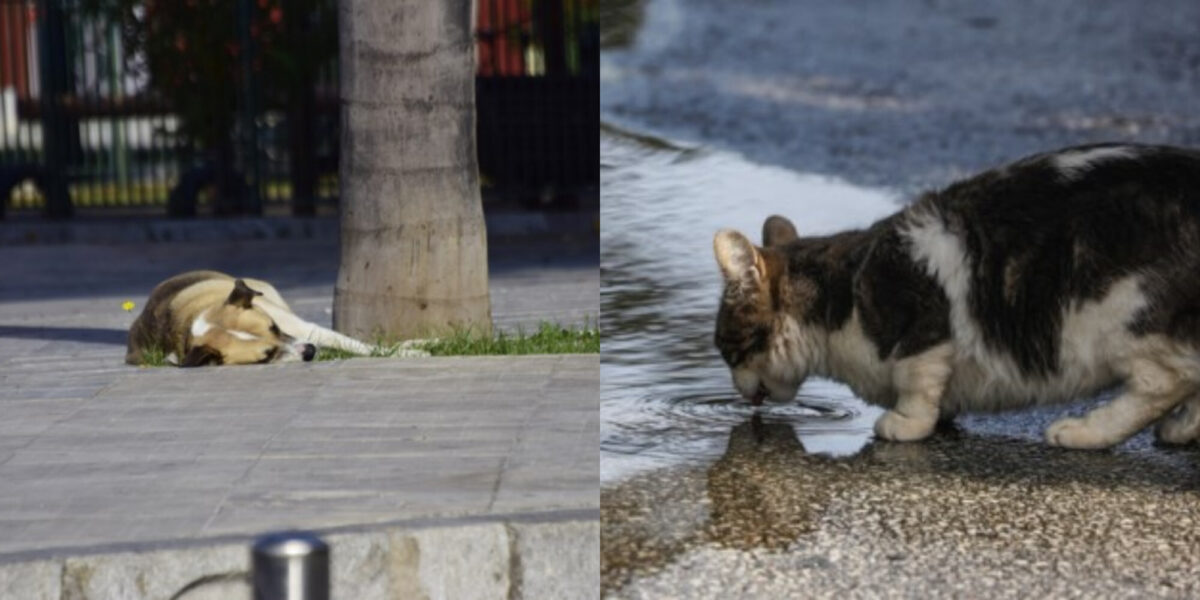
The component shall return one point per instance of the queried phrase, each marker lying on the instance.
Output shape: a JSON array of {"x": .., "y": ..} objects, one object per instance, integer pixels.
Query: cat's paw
[
  {"x": 1178, "y": 429},
  {"x": 900, "y": 428},
  {"x": 1076, "y": 433}
]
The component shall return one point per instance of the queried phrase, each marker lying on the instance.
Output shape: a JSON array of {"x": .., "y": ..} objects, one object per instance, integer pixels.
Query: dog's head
[
  {"x": 757, "y": 331},
  {"x": 237, "y": 332}
]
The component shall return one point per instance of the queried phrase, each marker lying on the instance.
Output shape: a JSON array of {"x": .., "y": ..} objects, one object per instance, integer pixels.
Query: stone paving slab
[{"x": 166, "y": 454}]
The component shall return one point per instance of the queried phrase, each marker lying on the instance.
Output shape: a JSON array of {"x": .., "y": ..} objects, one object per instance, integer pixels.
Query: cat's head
[{"x": 758, "y": 332}]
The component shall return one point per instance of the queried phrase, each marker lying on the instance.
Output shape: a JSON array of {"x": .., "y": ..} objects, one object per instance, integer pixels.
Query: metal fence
[
  {"x": 538, "y": 97},
  {"x": 84, "y": 128},
  {"x": 71, "y": 118}
]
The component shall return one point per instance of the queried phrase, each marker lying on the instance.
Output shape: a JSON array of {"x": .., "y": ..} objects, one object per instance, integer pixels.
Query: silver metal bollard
[{"x": 291, "y": 565}]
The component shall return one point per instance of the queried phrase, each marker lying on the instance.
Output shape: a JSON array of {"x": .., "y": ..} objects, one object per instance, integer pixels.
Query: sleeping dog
[{"x": 210, "y": 318}]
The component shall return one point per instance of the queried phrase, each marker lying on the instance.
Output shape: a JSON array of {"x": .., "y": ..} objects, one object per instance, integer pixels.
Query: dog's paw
[
  {"x": 900, "y": 428},
  {"x": 1076, "y": 433}
]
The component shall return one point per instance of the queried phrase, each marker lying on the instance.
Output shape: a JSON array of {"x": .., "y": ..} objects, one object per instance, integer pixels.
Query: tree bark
[{"x": 414, "y": 244}]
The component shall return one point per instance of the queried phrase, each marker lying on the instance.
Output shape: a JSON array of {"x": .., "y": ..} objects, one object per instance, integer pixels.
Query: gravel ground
[{"x": 957, "y": 516}]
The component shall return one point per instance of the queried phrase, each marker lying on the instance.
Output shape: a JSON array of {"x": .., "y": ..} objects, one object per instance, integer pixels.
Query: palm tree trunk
[{"x": 414, "y": 244}]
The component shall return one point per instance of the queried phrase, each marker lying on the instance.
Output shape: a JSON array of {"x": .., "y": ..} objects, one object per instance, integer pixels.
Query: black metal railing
[
  {"x": 85, "y": 122},
  {"x": 538, "y": 97},
  {"x": 102, "y": 104}
]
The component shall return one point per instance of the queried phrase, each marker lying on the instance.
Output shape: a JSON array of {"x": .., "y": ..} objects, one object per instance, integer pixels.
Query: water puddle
[
  {"x": 657, "y": 431},
  {"x": 666, "y": 397}
]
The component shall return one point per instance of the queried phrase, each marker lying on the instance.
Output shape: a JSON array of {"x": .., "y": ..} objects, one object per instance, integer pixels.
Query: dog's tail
[
  {"x": 328, "y": 338},
  {"x": 312, "y": 333}
]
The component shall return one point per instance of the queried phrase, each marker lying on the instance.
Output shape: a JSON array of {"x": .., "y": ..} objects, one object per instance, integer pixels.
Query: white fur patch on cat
[
  {"x": 1094, "y": 339},
  {"x": 942, "y": 254},
  {"x": 1071, "y": 164},
  {"x": 852, "y": 357}
]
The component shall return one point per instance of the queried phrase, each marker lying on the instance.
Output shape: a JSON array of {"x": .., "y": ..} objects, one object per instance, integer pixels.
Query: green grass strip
[{"x": 549, "y": 338}]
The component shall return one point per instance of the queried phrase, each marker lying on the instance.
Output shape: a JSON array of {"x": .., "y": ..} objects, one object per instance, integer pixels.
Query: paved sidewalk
[
  {"x": 99, "y": 459},
  {"x": 92, "y": 453}
]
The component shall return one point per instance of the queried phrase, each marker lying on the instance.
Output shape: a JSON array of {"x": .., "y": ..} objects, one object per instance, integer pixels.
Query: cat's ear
[
  {"x": 778, "y": 231},
  {"x": 740, "y": 261}
]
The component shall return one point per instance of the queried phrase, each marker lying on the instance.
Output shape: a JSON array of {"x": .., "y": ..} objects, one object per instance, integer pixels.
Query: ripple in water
[
  {"x": 655, "y": 431},
  {"x": 707, "y": 410},
  {"x": 666, "y": 397}
]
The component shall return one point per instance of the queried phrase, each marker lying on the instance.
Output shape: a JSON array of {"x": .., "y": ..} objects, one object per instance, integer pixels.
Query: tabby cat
[{"x": 1047, "y": 280}]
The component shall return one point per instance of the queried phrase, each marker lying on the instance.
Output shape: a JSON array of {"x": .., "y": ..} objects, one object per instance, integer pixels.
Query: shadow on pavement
[
  {"x": 91, "y": 335},
  {"x": 59, "y": 272}
]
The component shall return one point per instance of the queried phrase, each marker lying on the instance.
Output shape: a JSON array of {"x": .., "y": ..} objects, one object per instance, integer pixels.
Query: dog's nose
[{"x": 309, "y": 352}]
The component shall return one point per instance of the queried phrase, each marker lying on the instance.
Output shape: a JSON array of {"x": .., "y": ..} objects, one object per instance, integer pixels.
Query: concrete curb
[
  {"x": 161, "y": 230},
  {"x": 549, "y": 555}
]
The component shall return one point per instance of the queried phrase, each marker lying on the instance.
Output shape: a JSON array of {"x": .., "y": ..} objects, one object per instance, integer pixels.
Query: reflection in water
[
  {"x": 978, "y": 492},
  {"x": 751, "y": 506},
  {"x": 654, "y": 431},
  {"x": 665, "y": 393}
]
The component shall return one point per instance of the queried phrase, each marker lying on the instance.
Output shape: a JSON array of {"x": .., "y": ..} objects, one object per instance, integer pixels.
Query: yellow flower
[{"x": 128, "y": 305}]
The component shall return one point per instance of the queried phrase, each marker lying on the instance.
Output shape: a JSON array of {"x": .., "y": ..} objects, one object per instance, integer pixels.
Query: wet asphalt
[{"x": 906, "y": 95}]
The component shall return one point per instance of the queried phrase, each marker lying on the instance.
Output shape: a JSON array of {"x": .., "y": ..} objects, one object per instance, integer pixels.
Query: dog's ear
[
  {"x": 778, "y": 231},
  {"x": 201, "y": 356},
  {"x": 242, "y": 295}
]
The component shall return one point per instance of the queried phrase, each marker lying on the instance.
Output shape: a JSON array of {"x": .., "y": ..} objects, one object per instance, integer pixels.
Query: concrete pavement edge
[{"x": 548, "y": 555}]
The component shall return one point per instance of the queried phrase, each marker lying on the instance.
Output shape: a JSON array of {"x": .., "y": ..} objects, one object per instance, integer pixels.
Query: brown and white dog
[{"x": 210, "y": 318}]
